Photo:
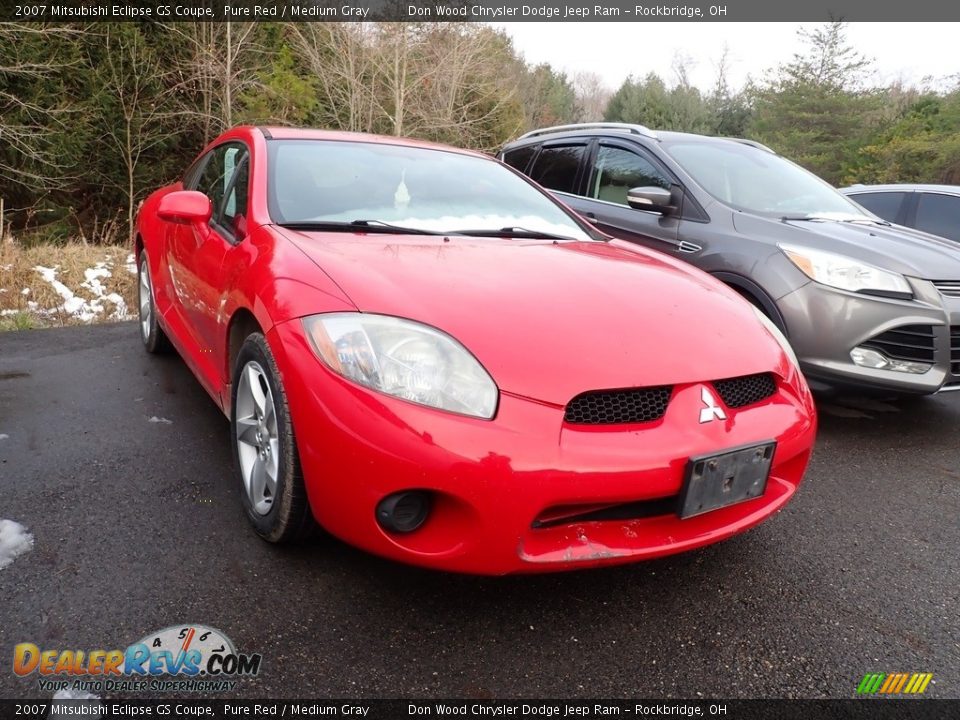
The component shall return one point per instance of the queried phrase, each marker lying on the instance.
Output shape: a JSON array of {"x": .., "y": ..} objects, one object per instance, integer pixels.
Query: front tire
[
  {"x": 272, "y": 490},
  {"x": 153, "y": 337}
]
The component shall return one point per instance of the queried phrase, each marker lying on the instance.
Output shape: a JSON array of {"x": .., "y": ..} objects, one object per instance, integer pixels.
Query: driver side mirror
[
  {"x": 185, "y": 206},
  {"x": 654, "y": 199}
]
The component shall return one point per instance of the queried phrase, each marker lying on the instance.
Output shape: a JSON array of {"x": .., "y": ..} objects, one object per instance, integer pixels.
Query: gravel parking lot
[{"x": 119, "y": 465}]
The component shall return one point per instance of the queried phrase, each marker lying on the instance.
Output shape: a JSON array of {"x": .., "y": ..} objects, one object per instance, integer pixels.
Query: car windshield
[
  {"x": 747, "y": 178},
  {"x": 383, "y": 187}
]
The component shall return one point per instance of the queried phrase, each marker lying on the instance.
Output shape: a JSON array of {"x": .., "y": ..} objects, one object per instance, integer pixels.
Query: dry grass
[{"x": 43, "y": 306}]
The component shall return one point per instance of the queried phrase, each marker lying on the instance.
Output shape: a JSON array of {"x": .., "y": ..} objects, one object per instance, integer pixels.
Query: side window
[
  {"x": 227, "y": 193},
  {"x": 556, "y": 167},
  {"x": 883, "y": 204},
  {"x": 617, "y": 170},
  {"x": 519, "y": 159},
  {"x": 939, "y": 214},
  {"x": 235, "y": 205}
]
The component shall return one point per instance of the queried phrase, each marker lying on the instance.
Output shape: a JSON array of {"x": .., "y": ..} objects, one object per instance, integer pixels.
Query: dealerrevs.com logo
[{"x": 180, "y": 658}]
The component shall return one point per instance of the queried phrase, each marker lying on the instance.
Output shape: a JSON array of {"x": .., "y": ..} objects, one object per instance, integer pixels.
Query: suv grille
[
  {"x": 955, "y": 349},
  {"x": 950, "y": 288},
  {"x": 914, "y": 343},
  {"x": 742, "y": 391},
  {"x": 609, "y": 407}
]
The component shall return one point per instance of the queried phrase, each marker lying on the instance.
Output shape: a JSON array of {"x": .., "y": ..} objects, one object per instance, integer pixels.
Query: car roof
[
  {"x": 292, "y": 133},
  {"x": 628, "y": 129},
  {"x": 903, "y": 187}
]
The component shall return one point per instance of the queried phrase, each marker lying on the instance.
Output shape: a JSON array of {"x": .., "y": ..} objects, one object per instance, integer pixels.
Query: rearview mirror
[
  {"x": 185, "y": 206},
  {"x": 655, "y": 199}
]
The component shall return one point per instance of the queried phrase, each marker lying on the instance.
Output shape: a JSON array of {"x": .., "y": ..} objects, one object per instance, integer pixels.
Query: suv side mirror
[
  {"x": 651, "y": 198},
  {"x": 185, "y": 206}
]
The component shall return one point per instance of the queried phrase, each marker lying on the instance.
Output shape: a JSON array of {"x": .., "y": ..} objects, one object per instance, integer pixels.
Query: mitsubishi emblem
[{"x": 712, "y": 410}]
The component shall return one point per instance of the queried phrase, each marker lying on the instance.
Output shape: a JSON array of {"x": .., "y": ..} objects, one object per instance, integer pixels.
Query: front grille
[
  {"x": 610, "y": 407},
  {"x": 913, "y": 343},
  {"x": 739, "y": 392},
  {"x": 950, "y": 288},
  {"x": 955, "y": 349},
  {"x": 572, "y": 514}
]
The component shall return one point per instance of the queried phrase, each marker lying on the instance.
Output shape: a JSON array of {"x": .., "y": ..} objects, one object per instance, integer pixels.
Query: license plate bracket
[{"x": 723, "y": 479}]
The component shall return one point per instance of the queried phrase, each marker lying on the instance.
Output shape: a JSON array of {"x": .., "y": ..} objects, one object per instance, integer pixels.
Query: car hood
[
  {"x": 551, "y": 320},
  {"x": 891, "y": 247}
]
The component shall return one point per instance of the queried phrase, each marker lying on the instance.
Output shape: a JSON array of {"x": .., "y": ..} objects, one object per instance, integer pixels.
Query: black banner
[
  {"x": 474, "y": 10},
  {"x": 855, "y": 709}
]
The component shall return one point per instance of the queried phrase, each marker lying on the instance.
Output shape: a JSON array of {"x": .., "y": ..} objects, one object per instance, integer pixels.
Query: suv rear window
[
  {"x": 882, "y": 204},
  {"x": 939, "y": 214},
  {"x": 556, "y": 167}
]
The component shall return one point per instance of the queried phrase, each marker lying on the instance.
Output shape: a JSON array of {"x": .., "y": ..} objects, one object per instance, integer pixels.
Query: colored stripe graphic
[
  {"x": 870, "y": 683},
  {"x": 894, "y": 683}
]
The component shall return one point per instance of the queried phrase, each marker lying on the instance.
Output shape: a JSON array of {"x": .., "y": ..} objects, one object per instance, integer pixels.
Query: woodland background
[{"x": 95, "y": 116}]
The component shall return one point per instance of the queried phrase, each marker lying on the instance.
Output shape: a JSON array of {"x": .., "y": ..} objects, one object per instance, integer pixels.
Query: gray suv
[{"x": 864, "y": 303}]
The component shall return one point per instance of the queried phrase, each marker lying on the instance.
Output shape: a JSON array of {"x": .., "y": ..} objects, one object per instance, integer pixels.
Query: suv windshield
[
  {"x": 751, "y": 179},
  {"x": 375, "y": 185}
]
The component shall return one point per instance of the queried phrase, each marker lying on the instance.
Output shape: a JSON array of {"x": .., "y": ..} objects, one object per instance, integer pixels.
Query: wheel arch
[
  {"x": 243, "y": 323},
  {"x": 756, "y": 295}
]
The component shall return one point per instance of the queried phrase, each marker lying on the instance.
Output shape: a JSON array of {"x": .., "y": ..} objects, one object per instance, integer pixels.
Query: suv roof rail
[
  {"x": 632, "y": 128},
  {"x": 753, "y": 143}
]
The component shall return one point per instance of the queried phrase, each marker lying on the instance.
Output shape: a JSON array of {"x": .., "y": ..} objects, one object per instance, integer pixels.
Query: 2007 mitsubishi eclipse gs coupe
[{"x": 425, "y": 354}]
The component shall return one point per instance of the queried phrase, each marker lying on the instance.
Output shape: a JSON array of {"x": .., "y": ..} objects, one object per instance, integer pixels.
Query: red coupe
[{"x": 428, "y": 356}]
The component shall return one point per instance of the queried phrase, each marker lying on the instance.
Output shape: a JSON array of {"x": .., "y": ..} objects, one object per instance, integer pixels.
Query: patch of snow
[
  {"x": 14, "y": 541},
  {"x": 3, "y": 290},
  {"x": 71, "y": 694},
  {"x": 72, "y": 305},
  {"x": 92, "y": 278},
  {"x": 69, "y": 701},
  {"x": 25, "y": 291},
  {"x": 163, "y": 420},
  {"x": 130, "y": 264},
  {"x": 119, "y": 307},
  {"x": 10, "y": 266}
]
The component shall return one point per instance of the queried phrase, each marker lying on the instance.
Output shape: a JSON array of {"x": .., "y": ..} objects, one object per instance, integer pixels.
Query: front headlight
[
  {"x": 847, "y": 273},
  {"x": 404, "y": 359},
  {"x": 777, "y": 334}
]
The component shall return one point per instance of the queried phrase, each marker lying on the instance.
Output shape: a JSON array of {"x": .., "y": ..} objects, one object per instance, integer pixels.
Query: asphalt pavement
[{"x": 119, "y": 465}]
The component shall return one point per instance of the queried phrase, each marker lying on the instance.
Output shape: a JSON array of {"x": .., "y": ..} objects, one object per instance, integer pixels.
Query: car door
[
  {"x": 198, "y": 253},
  {"x": 613, "y": 168},
  {"x": 939, "y": 214},
  {"x": 886, "y": 204}
]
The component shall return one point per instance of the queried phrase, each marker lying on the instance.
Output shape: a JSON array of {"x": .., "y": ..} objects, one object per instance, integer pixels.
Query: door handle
[{"x": 591, "y": 217}]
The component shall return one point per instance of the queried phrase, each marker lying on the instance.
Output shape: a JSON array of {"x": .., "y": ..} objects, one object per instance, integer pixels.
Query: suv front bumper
[{"x": 824, "y": 324}]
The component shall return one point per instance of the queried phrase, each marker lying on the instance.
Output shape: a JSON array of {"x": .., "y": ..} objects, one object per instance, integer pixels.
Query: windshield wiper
[
  {"x": 834, "y": 217},
  {"x": 366, "y": 225},
  {"x": 512, "y": 232}
]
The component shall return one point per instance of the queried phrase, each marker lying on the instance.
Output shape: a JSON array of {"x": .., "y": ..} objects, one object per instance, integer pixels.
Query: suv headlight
[
  {"x": 847, "y": 273},
  {"x": 404, "y": 359},
  {"x": 777, "y": 334}
]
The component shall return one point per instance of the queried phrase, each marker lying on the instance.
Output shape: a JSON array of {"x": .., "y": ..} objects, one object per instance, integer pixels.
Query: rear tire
[
  {"x": 153, "y": 337},
  {"x": 272, "y": 490}
]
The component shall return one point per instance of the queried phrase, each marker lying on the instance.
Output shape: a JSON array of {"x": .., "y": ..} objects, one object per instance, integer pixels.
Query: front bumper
[
  {"x": 491, "y": 480},
  {"x": 824, "y": 324}
]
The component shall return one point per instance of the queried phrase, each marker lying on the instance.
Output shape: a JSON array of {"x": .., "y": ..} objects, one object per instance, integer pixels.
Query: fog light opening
[
  {"x": 403, "y": 512},
  {"x": 870, "y": 358}
]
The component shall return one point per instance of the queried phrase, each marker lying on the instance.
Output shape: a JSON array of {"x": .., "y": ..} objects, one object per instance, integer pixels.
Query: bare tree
[
  {"x": 214, "y": 71},
  {"x": 134, "y": 80},
  {"x": 592, "y": 96},
  {"x": 339, "y": 56},
  {"x": 462, "y": 91},
  {"x": 25, "y": 123}
]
